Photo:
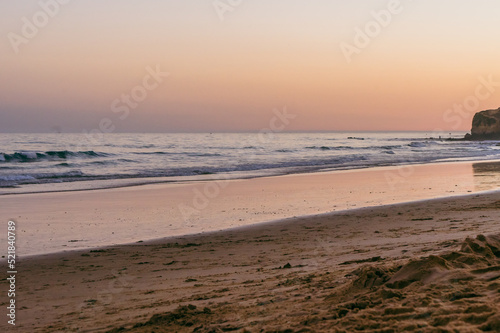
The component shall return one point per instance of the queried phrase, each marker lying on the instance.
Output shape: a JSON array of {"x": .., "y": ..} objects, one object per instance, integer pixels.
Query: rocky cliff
[{"x": 485, "y": 126}]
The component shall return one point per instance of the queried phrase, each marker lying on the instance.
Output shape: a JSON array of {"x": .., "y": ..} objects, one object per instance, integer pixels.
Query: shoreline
[
  {"x": 171, "y": 210},
  {"x": 133, "y": 182},
  {"x": 298, "y": 272}
]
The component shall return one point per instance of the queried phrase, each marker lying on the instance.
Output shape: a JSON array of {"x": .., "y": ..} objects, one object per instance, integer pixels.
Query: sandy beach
[
  {"x": 423, "y": 266},
  {"x": 249, "y": 166},
  {"x": 60, "y": 221}
]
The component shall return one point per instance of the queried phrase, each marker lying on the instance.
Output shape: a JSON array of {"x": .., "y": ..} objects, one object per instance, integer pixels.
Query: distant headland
[{"x": 485, "y": 126}]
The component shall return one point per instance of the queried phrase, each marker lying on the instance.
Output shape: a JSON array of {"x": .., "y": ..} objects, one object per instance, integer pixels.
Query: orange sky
[{"x": 228, "y": 75}]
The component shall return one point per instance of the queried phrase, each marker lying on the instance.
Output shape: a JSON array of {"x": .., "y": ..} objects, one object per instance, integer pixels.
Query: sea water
[{"x": 53, "y": 162}]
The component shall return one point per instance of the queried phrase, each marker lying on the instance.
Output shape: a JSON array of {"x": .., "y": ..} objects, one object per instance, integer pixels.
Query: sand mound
[
  {"x": 479, "y": 252},
  {"x": 424, "y": 270},
  {"x": 474, "y": 253},
  {"x": 370, "y": 276},
  {"x": 486, "y": 246},
  {"x": 453, "y": 292}
]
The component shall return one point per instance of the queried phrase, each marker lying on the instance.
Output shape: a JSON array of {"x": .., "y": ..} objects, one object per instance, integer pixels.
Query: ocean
[
  {"x": 54, "y": 162},
  {"x": 368, "y": 165}
]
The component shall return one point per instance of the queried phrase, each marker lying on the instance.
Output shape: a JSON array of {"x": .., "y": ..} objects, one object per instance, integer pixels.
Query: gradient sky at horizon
[{"x": 229, "y": 75}]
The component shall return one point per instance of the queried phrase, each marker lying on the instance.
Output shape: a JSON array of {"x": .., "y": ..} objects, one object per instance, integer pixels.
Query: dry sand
[{"x": 405, "y": 267}]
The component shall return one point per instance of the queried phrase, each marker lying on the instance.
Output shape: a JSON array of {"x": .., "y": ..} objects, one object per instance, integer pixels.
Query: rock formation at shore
[{"x": 485, "y": 126}]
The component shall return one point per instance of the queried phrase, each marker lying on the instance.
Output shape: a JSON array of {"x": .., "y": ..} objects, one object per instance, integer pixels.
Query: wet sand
[
  {"x": 380, "y": 269},
  {"x": 52, "y": 222}
]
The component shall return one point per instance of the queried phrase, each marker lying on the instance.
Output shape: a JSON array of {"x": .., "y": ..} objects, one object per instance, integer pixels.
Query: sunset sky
[{"x": 230, "y": 65}]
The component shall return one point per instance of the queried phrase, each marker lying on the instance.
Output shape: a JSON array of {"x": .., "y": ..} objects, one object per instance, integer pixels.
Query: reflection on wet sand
[{"x": 486, "y": 175}]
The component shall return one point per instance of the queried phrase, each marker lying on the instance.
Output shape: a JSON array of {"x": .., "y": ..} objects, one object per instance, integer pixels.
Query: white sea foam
[{"x": 11, "y": 178}]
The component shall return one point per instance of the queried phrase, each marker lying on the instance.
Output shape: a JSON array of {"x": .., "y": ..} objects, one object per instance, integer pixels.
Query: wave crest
[{"x": 29, "y": 156}]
